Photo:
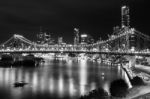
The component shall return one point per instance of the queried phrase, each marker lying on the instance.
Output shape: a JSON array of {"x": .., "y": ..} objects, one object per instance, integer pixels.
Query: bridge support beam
[{"x": 127, "y": 42}]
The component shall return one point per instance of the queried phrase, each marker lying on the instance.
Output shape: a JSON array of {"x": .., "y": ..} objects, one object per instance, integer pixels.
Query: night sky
[{"x": 95, "y": 17}]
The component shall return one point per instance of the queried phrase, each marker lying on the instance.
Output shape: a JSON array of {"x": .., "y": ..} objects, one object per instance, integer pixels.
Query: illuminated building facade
[
  {"x": 60, "y": 40},
  {"x": 44, "y": 38},
  {"x": 86, "y": 39},
  {"x": 76, "y": 38},
  {"x": 125, "y": 17}
]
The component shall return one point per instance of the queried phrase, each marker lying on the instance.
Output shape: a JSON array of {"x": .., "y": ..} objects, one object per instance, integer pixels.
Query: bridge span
[{"x": 128, "y": 41}]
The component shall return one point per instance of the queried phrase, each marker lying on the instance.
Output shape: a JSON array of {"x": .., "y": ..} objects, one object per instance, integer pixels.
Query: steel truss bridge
[
  {"x": 128, "y": 41},
  {"x": 87, "y": 52}
]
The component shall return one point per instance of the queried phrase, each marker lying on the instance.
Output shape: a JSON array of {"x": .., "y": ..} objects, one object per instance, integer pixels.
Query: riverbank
[
  {"x": 143, "y": 68},
  {"x": 136, "y": 92},
  {"x": 139, "y": 92}
]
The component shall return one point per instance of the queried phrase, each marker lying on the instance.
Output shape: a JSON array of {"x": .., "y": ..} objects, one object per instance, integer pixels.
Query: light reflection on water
[{"x": 58, "y": 79}]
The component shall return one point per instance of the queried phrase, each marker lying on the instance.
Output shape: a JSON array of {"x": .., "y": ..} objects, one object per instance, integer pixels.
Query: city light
[
  {"x": 61, "y": 68},
  {"x": 84, "y": 35}
]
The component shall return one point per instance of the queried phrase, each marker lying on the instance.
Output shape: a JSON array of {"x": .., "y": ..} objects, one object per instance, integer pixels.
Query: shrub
[
  {"x": 96, "y": 94},
  {"x": 137, "y": 81}
]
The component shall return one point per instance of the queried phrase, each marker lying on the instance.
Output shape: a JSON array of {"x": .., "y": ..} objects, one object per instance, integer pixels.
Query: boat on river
[{"x": 20, "y": 84}]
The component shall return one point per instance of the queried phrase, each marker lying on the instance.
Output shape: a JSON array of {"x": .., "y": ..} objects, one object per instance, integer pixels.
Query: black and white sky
[{"x": 95, "y": 17}]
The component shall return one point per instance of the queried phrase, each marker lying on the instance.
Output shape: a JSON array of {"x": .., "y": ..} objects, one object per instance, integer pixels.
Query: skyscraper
[
  {"x": 76, "y": 38},
  {"x": 86, "y": 39},
  {"x": 125, "y": 17},
  {"x": 40, "y": 36},
  {"x": 44, "y": 37},
  {"x": 60, "y": 40}
]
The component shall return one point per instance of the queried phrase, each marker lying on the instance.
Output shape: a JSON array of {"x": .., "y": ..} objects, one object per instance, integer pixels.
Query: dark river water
[{"x": 57, "y": 79}]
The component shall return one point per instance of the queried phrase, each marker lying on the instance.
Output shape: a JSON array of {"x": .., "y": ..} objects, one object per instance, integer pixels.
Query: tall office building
[
  {"x": 76, "y": 37},
  {"x": 125, "y": 17},
  {"x": 60, "y": 40},
  {"x": 44, "y": 37},
  {"x": 86, "y": 39},
  {"x": 40, "y": 36},
  {"x": 116, "y": 30}
]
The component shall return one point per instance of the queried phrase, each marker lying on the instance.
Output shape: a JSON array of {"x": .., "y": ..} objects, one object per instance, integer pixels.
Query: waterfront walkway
[
  {"x": 141, "y": 92},
  {"x": 142, "y": 68},
  {"x": 144, "y": 73}
]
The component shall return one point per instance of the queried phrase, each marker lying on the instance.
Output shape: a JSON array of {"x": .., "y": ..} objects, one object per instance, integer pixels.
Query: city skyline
[
  {"x": 74, "y": 49},
  {"x": 60, "y": 18}
]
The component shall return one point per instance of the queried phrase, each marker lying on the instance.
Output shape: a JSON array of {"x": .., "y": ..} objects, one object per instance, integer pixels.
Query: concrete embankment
[{"x": 143, "y": 68}]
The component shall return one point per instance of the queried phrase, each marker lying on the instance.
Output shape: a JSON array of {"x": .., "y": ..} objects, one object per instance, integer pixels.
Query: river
[{"x": 57, "y": 79}]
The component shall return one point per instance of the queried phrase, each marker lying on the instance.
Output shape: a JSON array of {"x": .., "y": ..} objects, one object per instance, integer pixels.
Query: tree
[
  {"x": 118, "y": 88},
  {"x": 137, "y": 81},
  {"x": 96, "y": 94}
]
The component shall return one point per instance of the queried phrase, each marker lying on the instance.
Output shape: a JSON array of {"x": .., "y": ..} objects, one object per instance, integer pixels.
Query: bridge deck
[{"x": 87, "y": 52}]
